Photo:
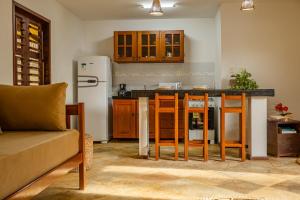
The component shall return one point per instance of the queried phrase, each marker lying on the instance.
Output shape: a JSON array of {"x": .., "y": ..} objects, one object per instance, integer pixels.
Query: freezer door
[
  {"x": 96, "y": 110},
  {"x": 94, "y": 66}
]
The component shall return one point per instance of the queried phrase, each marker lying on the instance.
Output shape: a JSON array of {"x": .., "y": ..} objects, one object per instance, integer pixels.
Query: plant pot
[{"x": 232, "y": 82}]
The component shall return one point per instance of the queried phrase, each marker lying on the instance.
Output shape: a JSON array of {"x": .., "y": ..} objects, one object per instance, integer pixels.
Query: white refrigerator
[{"x": 94, "y": 85}]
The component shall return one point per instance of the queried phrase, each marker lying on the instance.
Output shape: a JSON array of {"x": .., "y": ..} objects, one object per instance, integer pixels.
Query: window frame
[{"x": 18, "y": 9}]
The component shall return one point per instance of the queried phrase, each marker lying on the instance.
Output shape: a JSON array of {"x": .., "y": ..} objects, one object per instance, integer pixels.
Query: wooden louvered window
[{"x": 31, "y": 47}]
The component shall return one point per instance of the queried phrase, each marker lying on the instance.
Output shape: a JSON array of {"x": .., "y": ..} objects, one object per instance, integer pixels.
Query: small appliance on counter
[
  {"x": 170, "y": 86},
  {"x": 123, "y": 91}
]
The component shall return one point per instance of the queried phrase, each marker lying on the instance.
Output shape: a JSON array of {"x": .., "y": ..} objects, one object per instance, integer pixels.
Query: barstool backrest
[
  {"x": 204, "y": 98},
  {"x": 241, "y": 98},
  {"x": 159, "y": 98}
]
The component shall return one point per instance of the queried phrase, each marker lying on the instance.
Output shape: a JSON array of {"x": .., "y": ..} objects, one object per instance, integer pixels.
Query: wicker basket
[{"x": 88, "y": 153}]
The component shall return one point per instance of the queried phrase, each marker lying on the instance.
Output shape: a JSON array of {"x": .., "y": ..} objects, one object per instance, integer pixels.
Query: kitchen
[
  {"x": 153, "y": 93},
  {"x": 145, "y": 61}
]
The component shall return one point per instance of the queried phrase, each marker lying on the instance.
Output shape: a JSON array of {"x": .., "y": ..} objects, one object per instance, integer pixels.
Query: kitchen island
[{"x": 256, "y": 116}]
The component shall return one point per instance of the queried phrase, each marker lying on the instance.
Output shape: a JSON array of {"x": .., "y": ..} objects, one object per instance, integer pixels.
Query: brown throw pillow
[{"x": 40, "y": 108}]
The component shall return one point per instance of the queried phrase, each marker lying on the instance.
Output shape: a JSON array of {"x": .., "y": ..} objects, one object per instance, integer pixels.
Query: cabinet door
[
  {"x": 172, "y": 46},
  {"x": 166, "y": 121},
  {"x": 148, "y": 46},
  {"x": 125, "y": 119},
  {"x": 125, "y": 46}
]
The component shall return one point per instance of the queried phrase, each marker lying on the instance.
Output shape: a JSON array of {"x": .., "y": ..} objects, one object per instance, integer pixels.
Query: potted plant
[{"x": 243, "y": 81}]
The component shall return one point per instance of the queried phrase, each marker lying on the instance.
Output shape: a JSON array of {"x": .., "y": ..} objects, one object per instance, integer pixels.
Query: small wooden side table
[{"x": 283, "y": 144}]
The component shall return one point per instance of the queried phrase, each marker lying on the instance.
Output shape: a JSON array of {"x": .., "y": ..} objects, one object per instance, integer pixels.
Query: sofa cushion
[
  {"x": 25, "y": 156},
  {"x": 33, "y": 107}
]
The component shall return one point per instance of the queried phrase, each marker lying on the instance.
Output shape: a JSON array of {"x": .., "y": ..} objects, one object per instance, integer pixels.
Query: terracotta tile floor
[{"x": 117, "y": 173}]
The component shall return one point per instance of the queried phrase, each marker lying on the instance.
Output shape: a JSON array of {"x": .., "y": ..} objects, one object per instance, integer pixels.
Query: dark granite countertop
[
  {"x": 212, "y": 93},
  {"x": 119, "y": 97}
]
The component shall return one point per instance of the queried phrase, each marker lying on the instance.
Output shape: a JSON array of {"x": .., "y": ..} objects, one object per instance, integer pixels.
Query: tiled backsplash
[{"x": 138, "y": 75}]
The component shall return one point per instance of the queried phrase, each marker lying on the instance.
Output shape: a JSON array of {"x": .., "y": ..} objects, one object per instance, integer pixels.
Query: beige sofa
[{"x": 31, "y": 160}]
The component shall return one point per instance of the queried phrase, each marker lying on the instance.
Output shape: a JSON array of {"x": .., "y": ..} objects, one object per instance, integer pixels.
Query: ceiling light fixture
[
  {"x": 163, "y": 5},
  {"x": 156, "y": 8},
  {"x": 247, "y": 5}
]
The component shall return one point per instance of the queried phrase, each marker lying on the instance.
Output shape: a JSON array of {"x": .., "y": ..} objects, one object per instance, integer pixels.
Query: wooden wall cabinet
[
  {"x": 172, "y": 46},
  {"x": 125, "y": 46},
  {"x": 125, "y": 119},
  {"x": 149, "y": 46}
]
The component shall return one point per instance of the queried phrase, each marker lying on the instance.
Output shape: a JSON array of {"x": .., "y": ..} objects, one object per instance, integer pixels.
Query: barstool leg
[
  {"x": 186, "y": 131},
  {"x": 243, "y": 138},
  {"x": 157, "y": 149},
  {"x": 205, "y": 148},
  {"x": 176, "y": 127},
  {"x": 222, "y": 136}
]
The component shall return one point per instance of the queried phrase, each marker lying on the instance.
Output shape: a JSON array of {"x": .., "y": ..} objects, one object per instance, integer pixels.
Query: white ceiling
[{"x": 131, "y": 9}]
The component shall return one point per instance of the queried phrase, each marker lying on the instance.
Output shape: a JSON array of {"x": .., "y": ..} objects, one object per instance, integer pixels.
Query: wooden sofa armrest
[{"x": 78, "y": 110}]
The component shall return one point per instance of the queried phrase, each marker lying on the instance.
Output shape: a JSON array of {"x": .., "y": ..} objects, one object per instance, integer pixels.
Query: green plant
[{"x": 243, "y": 81}]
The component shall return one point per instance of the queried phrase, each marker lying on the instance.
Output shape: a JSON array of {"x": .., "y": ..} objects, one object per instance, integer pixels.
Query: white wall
[
  {"x": 267, "y": 43},
  {"x": 6, "y": 52},
  {"x": 199, "y": 33},
  {"x": 66, "y": 36}
]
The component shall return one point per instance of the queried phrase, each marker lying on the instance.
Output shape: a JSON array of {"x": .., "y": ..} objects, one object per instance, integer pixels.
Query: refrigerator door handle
[{"x": 93, "y": 80}]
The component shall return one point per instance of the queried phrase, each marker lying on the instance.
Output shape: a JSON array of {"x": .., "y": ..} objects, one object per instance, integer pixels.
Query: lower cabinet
[
  {"x": 166, "y": 120},
  {"x": 125, "y": 119}
]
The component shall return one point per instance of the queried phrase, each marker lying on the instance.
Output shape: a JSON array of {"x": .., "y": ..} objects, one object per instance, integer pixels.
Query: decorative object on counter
[
  {"x": 170, "y": 86},
  {"x": 298, "y": 161},
  {"x": 200, "y": 87},
  {"x": 243, "y": 81},
  {"x": 0, "y": 130},
  {"x": 283, "y": 112}
]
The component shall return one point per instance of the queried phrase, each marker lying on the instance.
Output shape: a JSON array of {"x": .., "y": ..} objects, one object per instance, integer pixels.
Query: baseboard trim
[{"x": 259, "y": 158}]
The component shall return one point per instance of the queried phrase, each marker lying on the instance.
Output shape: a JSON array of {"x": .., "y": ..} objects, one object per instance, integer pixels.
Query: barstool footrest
[
  {"x": 231, "y": 110},
  {"x": 196, "y": 110},
  {"x": 166, "y": 110},
  {"x": 196, "y": 143},
  {"x": 167, "y": 143},
  {"x": 233, "y": 144}
]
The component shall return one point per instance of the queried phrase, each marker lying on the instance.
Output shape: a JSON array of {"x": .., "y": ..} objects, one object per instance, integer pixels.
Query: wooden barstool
[
  {"x": 158, "y": 111},
  {"x": 242, "y": 115},
  {"x": 200, "y": 143}
]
